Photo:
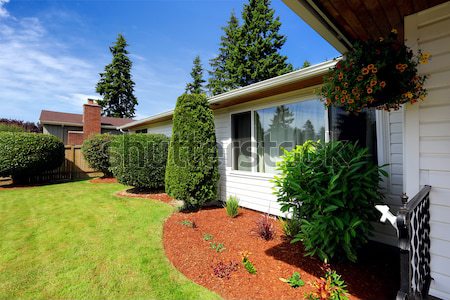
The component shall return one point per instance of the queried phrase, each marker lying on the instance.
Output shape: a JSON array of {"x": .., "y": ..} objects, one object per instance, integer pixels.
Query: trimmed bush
[
  {"x": 27, "y": 154},
  {"x": 332, "y": 188},
  {"x": 192, "y": 166},
  {"x": 139, "y": 160},
  {"x": 10, "y": 128},
  {"x": 96, "y": 152}
]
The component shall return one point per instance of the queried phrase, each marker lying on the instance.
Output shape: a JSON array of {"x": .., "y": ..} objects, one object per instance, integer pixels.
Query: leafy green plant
[
  {"x": 232, "y": 206},
  {"x": 330, "y": 287},
  {"x": 188, "y": 223},
  {"x": 294, "y": 281},
  {"x": 96, "y": 152},
  {"x": 248, "y": 265},
  {"x": 208, "y": 237},
  {"x": 139, "y": 160},
  {"x": 332, "y": 188},
  {"x": 291, "y": 227},
  {"x": 218, "y": 247},
  {"x": 192, "y": 166},
  {"x": 23, "y": 155}
]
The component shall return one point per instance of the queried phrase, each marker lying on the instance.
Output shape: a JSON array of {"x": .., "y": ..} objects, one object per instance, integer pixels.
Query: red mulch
[
  {"x": 371, "y": 278},
  {"x": 146, "y": 195},
  {"x": 103, "y": 180}
]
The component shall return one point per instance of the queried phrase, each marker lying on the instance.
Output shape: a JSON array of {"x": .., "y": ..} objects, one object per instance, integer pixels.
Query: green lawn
[{"x": 77, "y": 240}]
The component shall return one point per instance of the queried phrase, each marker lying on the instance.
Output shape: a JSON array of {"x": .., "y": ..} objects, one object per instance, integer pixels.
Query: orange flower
[
  {"x": 371, "y": 66},
  {"x": 351, "y": 101},
  {"x": 409, "y": 95},
  {"x": 373, "y": 83},
  {"x": 337, "y": 88},
  {"x": 424, "y": 57},
  {"x": 344, "y": 92},
  {"x": 340, "y": 76},
  {"x": 342, "y": 100},
  {"x": 354, "y": 91},
  {"x": 359, "y": 78},
  {"x": 346, "y": 84},
  {"x": 398, "y": 66},
  {"x": 383, "y": 84},
  {"x": 374, "y": 70},
  {"x": 336, "y": 97},
  {"x": 369, "y": 90},
  {"x": 365, "y": 71},
  {"x": 394, "y": 31}
]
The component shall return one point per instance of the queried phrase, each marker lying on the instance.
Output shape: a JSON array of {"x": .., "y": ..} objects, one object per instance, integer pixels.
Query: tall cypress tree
[
  {"x": 260, "y": 43},
  {"x": 224, "y": 73},
  {"x": 196, "y": 86},
  {"x": 116, "y": 85}
]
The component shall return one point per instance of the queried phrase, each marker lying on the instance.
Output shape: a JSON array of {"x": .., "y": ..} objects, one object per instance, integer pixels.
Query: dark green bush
[
  {"x": 96, "y": 152},
  {"x": 192, "y": 166},
  {"x": 139, "y": 160},
  {"x": 27, "y": 154},
  {"x": 332, "y": 188}
]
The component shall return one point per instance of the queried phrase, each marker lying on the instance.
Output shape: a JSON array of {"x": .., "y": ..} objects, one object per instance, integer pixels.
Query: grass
[{"x": 77, "y": 240}]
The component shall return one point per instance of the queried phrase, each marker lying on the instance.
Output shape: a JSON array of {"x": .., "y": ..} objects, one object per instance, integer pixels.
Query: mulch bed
[
  {"x": 135, "y": 193},
  {"x": 374, "y": 277},
  {"x": 103, "y": 180}
]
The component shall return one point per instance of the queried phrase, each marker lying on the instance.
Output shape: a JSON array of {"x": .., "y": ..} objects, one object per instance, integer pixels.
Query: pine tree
[
  {"x": 260, "y": 43},
  {"x": 306, "y": 64},
  {"x": 196, "y": 86},
  {"x": 116, "y": 85},
  {"x": 224, "y": 74}
]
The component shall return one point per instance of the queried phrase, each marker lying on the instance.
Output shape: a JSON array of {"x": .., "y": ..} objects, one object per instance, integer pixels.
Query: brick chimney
[{"x": 91, "y": 118}]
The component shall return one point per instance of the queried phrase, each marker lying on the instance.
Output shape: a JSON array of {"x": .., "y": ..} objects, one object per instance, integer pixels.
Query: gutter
[{"x": 289, "y": 78}]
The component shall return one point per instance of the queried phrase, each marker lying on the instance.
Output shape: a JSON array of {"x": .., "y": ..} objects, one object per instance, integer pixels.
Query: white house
[{"x": 414, "y": 141}]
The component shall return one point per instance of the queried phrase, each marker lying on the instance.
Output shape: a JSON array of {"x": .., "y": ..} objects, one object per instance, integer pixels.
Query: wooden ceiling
[{"x": 363, "y": 19}]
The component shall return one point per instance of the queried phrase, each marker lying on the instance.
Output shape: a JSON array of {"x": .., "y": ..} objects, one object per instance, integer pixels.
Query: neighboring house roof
[
  {"x": 296, "y": 80},
  {"x": 343, "y": 22},
  {"x": 69, "y": 119}
]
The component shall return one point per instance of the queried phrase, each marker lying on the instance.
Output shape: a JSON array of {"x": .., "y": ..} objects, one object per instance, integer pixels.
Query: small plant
[
  {"x": 207, "y": 237},
  {"x": 248, "y": 265},
  {"x": 330, "y": 287},
  {"x": 188, "y": 223},
  {"x": 265, "y": 228},
  {"x": 223, "y": 270},
  {"x": 291, "y": 227},
  {"x": 232, "y": 206},
  {"x": 218, "y": 247},
  {"x": 294, "y": 281}
]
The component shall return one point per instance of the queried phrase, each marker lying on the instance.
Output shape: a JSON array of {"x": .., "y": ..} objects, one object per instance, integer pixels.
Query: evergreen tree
[
  {"x": 116, "y": 85},
  {"x": 224, "y": 73},
  {"x": 309, "y": 131},
  {"x": 306, "y": 64},
  {"x": 196, "y": 86},
  {"x": 260, "y": 43}
]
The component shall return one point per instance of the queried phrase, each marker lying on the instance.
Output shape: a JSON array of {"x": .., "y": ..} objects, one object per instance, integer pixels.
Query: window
[
  {"x": 286, "y": 126},
  {"x": 142, "y": 131},
  {"x": 241, "y": 139},
  {"x": 361, "y": 127}
]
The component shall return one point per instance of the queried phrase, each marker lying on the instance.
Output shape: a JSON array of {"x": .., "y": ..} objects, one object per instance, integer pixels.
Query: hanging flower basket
[{"x": 381, "y": 74}]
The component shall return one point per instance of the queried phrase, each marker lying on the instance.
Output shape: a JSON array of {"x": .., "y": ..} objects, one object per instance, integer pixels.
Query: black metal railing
[{"x": 413, "y": 223}]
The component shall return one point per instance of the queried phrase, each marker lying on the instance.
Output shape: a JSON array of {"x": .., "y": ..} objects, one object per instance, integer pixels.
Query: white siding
[
  {"x": 429, "y": 30},
  {"x": 161, "y": 128}
]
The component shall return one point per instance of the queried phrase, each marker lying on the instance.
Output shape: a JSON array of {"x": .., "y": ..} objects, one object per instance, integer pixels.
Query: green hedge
[
  {"x": 332, "y": 188},
  {"x": 139, "y": 160},
  {"x": 10, "y": 128},
  {"x": 192, "y": 167},
  {"x": 27, "y": 154},
  {"x": 96, "y": 152}
]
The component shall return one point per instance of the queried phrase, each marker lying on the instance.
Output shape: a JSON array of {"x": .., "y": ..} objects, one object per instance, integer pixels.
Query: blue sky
[{"x": 52, "y": 51}]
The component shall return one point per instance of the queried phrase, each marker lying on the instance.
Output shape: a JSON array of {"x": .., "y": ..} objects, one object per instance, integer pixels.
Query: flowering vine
[{"x": 381, "y": 74}]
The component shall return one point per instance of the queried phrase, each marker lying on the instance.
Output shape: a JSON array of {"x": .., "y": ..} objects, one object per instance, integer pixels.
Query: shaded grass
[{"x": 77, "y": 240}]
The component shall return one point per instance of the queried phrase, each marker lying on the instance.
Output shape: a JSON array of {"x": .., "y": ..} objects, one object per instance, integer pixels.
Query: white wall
[{"x": 427, "y": 136}]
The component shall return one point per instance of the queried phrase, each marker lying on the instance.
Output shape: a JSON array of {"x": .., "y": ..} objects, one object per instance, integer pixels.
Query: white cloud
[{"x": 3, "y": 12}]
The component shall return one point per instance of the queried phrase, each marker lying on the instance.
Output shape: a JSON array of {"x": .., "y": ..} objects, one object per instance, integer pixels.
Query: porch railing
[{"x": 413, "y": 223}]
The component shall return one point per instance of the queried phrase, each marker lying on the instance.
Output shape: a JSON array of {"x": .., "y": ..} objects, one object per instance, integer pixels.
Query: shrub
[
  {"x": 139, "y": 160},
  {"x": 10, "y": 128},
  {"x": 330, "y": 287},
  {"x": 332, "y": 187},
  {"x": 27, "y": 154},
  {"x": 291, "y": 227},
  {"x": 96, "y": 152},
  {"x": 26, "y": 126},
  {"x": 265, "y": 228},
  {"x": 232, "y": 206},
  {"x": 192, "y": 166}
]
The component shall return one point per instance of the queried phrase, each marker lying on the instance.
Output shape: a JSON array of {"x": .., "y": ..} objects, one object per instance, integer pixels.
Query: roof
[
  {"x": 62, "y": 118},
  {"x": 292, "y": 81},
  {"x": 343, "y": 22}
]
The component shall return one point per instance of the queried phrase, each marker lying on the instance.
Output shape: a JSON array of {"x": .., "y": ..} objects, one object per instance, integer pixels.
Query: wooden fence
[{"x": 74, "y": 167}]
